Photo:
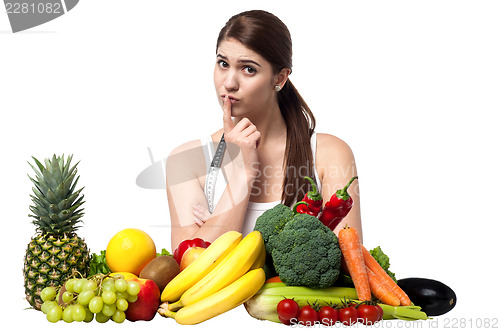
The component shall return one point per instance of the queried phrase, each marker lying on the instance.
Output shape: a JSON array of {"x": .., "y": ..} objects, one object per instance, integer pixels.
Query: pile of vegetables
[{"x": 316, "y": 277}]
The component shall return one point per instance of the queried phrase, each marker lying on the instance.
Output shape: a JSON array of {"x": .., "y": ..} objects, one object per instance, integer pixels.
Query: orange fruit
[{"x": 130, "y": 250}]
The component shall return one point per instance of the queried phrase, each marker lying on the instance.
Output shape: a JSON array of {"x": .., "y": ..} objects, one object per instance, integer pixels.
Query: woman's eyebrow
[{"x": 239, "y": 60}]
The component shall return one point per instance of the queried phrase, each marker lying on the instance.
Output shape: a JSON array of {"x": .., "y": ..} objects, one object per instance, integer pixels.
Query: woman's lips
[{"x": 232, "y": 99}]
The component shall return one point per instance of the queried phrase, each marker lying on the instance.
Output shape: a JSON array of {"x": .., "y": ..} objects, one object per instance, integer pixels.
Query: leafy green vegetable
[
  {"x": 164, "y": 252},
  {"x": 383, "y": 260},
  {"x": 98, "y": 264}
]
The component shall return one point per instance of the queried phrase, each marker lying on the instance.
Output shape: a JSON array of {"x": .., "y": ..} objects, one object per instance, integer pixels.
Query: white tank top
[{"x": 254, "y": 210}]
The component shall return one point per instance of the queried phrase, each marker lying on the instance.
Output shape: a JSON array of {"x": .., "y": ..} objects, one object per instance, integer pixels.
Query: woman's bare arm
[{"x": 336, "y": 166}]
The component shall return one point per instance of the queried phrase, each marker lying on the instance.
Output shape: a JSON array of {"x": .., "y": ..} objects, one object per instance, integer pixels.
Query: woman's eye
[
  {"x": 223, "y": 64},
  {"x": 249, "y": 70}
]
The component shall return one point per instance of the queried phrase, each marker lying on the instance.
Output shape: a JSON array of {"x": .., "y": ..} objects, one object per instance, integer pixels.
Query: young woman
[{"x": 270, "y": 139}]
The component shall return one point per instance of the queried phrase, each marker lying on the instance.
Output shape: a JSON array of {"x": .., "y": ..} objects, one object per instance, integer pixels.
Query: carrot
[
  {"x": 353, "y": 256},
  {"x": 380, "y": 290},
  {"x": 373, "y": 265},
  {"x": 273, "y": 279}
]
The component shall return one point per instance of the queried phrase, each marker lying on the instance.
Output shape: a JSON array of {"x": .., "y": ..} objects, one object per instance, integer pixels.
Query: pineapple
[{"x": 55, "y": 253}]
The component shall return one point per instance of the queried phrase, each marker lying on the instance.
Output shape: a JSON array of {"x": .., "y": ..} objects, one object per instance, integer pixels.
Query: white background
[{"x": 411, "y": 86}]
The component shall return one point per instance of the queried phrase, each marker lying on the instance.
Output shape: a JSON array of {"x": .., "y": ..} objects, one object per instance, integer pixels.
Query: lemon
[{"x": 130, "y": 250}]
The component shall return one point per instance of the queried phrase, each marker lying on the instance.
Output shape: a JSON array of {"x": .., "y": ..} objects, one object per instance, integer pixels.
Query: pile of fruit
[{"x": 288, "y": 270}]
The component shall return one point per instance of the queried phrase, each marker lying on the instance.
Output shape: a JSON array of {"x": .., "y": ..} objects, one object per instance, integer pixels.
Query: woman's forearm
[{"x": 230, "y": 211}]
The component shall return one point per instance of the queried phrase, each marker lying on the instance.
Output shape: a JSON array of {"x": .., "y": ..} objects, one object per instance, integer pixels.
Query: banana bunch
[{"x": 225, "y": 275}]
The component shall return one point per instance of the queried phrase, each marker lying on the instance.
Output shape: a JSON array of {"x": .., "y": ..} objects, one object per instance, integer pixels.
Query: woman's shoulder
[
  {"x": 330, "y": 143},
  {"x": 188, "y": 158},
  {"x": 330, "y": 147}
]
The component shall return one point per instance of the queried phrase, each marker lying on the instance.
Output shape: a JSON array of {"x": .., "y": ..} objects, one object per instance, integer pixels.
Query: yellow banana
[
  {"x": 224, "y": 300},
  {"x": 261, "y": 260},
  {"x": 236, "y": 264},
  {"x": 209, "y": 259}
]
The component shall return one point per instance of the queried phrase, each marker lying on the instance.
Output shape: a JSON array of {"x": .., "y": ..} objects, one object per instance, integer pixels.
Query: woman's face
[{"x": 246, "y": 77}]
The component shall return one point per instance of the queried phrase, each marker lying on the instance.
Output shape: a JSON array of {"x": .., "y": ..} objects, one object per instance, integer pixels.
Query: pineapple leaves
[
  {"x": 65, "y": 168},
  {"x": 40, "y": 166},
  {"x": 56, "y": 205},
  {"x": 56, "y": 170},
  {"x": 39, "y": 212}
]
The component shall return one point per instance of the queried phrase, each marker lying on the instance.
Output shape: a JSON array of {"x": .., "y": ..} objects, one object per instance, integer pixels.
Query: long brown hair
[{"x": 267, "y": 35}]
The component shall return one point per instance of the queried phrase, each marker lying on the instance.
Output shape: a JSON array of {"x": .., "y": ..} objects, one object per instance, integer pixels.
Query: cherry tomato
[
  {"x": 328, "y": 316},
  {"x": 287, "y": 310},
  {"x": 288, "y": 321},
  {"x": 348, "y": 315},
  {"x": 308, "y": 316},
  {"x": 368, "y": 314}
]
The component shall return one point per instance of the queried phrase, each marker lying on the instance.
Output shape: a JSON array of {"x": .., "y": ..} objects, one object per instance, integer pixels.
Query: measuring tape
[{"x": 212, "y": 173}]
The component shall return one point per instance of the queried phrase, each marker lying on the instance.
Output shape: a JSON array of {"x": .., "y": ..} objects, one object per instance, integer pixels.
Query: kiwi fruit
[{"x": 161, "y": 270}]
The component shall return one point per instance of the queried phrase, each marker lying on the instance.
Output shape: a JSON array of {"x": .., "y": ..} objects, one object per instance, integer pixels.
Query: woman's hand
[
  {"x": 201, "y": 214},
  {"x": 244, "y": 136}
]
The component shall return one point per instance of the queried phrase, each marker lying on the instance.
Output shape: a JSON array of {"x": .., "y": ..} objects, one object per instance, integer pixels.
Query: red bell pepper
[
  {"x": 337, "y": 207},
  {"x": 313, "y": 198},
  {"x": 186, "y": 244}
]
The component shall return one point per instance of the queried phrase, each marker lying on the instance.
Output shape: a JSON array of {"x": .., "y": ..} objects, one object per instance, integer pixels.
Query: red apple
[
  {"x": 189, "y": 256},
  {"x": 148, "y": 301}
]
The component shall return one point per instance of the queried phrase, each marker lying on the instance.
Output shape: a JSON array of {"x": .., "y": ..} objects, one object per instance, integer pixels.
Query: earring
[{"x": 277, "y": 88}]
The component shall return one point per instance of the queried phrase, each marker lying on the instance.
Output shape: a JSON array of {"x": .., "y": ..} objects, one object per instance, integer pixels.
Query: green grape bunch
[{"x": 100, "y": 296}]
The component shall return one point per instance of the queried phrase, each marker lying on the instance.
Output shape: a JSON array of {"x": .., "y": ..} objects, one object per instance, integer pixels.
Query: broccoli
[
  {"x": 306, "y": 253},
  {"x": 271, "y": 222}
]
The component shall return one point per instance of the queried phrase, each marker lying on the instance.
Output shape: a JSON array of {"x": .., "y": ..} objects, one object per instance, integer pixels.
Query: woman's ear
[{"x": 282, "y": 77}]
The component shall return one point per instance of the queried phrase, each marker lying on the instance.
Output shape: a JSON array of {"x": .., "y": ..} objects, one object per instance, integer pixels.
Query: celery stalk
[
  {"x": 287, "y": 291},
  {"x": 403, "y": 312}
]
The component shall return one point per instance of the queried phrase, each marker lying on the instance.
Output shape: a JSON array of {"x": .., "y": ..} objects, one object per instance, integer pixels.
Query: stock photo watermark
[
  {"x": 432, "y": 323},
  {"x": 26, "y": 14}
]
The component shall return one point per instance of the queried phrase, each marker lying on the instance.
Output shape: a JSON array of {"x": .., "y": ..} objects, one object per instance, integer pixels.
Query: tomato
[
  {"x": 288, "y": 321},
  {"x": 308, "y": 316},
  {"x": 328, "y": 316},
  {"x": 287, "y": 310},
  {"x": 381, "y": 312},
  {"x": 348, "y": 315},
  {"x": 368, "y": 314}
]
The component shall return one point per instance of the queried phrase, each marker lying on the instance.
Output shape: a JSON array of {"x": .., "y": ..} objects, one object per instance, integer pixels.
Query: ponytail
[{"x": 298, "y": 161}]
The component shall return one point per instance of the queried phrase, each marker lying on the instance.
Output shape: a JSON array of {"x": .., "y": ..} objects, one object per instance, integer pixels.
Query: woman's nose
[{"x": 231, "y": 81}]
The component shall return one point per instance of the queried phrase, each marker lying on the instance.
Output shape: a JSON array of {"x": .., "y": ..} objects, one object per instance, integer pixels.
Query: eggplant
[{"x": 433, "y": 296}]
